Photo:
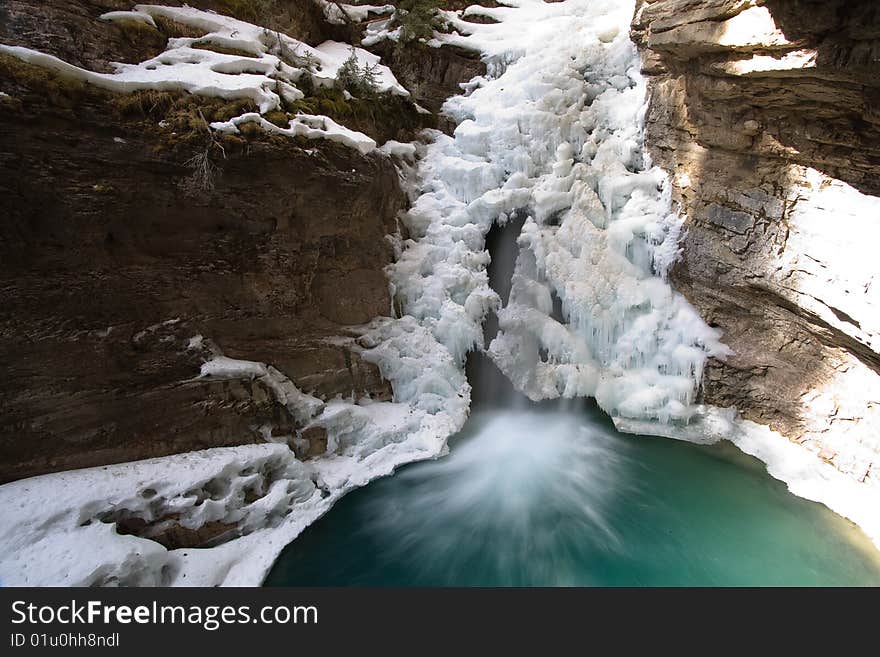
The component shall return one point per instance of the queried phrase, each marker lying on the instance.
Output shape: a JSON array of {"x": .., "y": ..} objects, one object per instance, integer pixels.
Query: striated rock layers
[
  {"x": 766, "y": 113},
  {"x": 119, "y": 275},
  {"x": 126, "y": 261}
]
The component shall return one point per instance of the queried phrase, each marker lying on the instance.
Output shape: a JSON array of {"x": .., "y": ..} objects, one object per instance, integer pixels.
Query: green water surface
[{"x": 532, "y": 497}]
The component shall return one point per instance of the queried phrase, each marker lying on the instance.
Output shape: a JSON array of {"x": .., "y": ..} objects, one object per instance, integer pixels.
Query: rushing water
[
  {"x": 550, "y": 496},
  {"x": 553, "y": 495}
]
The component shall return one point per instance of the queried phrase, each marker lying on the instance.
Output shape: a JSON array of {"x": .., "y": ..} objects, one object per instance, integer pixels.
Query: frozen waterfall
[{"x": 555, "y": 133}]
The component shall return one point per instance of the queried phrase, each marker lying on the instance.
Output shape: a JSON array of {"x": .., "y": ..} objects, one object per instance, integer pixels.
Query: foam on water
[
  {"x": 517, "y": 467},
  {"x": 555, "y": 496}
]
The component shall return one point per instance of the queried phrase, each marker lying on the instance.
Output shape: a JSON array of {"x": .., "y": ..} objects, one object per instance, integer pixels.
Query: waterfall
[
  {"x": 555, "y": 133},
  {"x": 490, "y": 388},
  {"x": 551, "y": 142}
]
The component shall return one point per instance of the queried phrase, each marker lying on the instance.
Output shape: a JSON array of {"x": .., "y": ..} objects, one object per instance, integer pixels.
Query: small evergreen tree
[
  {"x": 359, "y": 81},
  {"x": 418, "y": 19}
]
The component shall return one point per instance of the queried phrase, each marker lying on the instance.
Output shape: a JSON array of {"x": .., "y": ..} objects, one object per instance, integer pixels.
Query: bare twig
[
  {"x": 211, "y": 134},
  {"x": 203, "y": 176},
  {"x": 342, "y": 11},
  {"x": 204, "y": 172}
]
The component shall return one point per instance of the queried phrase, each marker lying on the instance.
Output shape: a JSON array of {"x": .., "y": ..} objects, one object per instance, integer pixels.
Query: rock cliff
[
  {"x": 109, "y": 270},
  {"x": 765, "y": 113},
  {"x": 120, "y": 275},
  {"x": 119, "y": 279}
]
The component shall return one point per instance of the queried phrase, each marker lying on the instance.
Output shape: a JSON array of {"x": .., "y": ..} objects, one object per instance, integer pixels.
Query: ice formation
[{"x": 553, "y": 131}]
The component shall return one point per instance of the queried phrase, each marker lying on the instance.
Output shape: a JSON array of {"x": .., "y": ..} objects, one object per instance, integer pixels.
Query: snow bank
[
  {"x": 59, "y": 529},
  {"x": 269, "y": 73},
  {"x": 399, "y": 149},
  {"x": 61, "y": 540},
  {"x": 311, "y": 126},
  {"x": 342, "y": 13},
  {"x": 131, "y": 16}
]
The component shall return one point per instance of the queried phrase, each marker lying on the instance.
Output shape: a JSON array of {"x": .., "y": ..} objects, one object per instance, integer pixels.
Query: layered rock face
[
  {"x": 432, "y": 74},
  {"x": 765, "y": 113},
  {"x": 119, "y": 279},
  {"x": 124, "y": 268}
]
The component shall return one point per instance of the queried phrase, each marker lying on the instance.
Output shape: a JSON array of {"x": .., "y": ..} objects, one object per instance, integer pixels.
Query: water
[
  {"x": 547, "y": 495},
  {"x": 544, "y": 495}
]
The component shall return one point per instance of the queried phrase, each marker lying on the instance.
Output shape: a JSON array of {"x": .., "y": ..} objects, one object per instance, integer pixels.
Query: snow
[
  {"x": 269, "y": 74},
  {"x": 835, "y": 288},
  {"x": 65, "y": 543},
  {"x": 356, "y": 13},
  {"x": 332, "y": 54},
  {"x": 123, "y": 16},
  {"x": 69, "y": 539},
  {"x": 310, "y": 126},
  {"x": 377, "y": 31},
  {"x": 763, "y": 64},
  {"x": 302, "y": 407},
  {"x": 399, "y": 149},
  {"x": 554, "y": 131}
]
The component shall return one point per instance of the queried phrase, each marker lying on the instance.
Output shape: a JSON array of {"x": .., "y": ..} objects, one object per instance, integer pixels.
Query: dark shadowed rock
[
  {"x": 110, "y": 269},
  {"x": 121, "y": 272},
  {"x": 431, "y": 74}
]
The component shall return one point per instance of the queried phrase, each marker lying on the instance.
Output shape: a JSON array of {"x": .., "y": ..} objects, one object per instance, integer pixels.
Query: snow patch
[
  {"x": 269, "y": 73},
  {"x": 310, "y": 126},
  {"x": 128, "y": 16},
  {"x": 342, "y": 13},
  {"x": 60, "y": 529},
  {"x": 406, "y": 151}
]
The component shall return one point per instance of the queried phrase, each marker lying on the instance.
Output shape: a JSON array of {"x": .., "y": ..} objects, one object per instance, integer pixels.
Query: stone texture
[
  {"x": 108, "y": 269},
  {"x": 765, "y": 114},
  {"x": 431, "y": 74},
  {"x": 110, "y": 265},
  {"x": 74, "y": 32}
]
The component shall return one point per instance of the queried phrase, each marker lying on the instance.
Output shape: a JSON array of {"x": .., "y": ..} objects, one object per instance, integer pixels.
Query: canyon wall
[
  {"x": 121, "y": 271},
  {"x": 119, "y": 279},
  {"x": 766, "y": 114},
  {"x": 110, "y": 271}
]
